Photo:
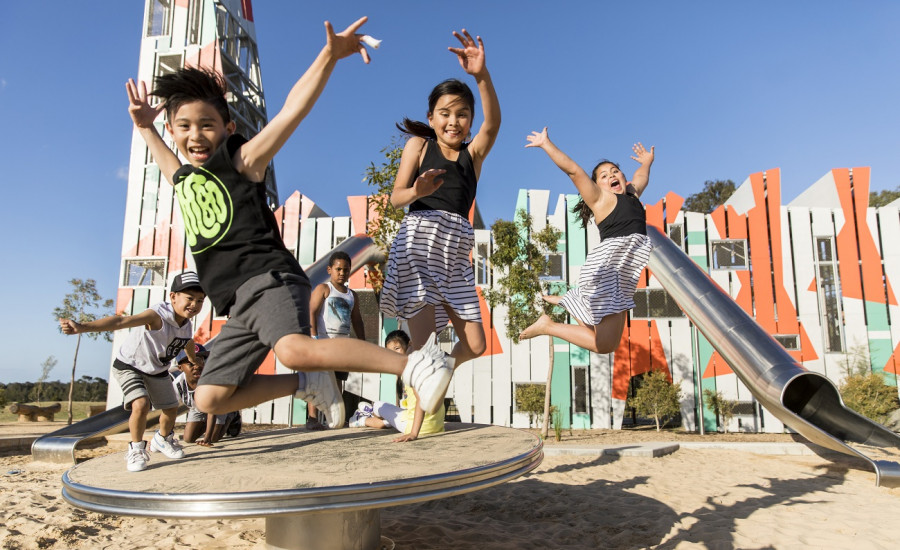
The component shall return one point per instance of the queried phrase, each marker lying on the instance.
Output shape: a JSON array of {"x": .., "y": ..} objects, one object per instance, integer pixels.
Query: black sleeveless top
[
  {"x": 229, "y": 226},
  {"x": 457, "y": 193},
  {"x": 627, "y": 218}
]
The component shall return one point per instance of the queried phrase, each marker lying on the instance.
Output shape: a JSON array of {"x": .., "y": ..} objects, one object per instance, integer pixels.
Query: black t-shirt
[
  {"x": 457, "y": 193},
  {"x": 229, "y": 226},
  {"x": 627, "y": 218}
]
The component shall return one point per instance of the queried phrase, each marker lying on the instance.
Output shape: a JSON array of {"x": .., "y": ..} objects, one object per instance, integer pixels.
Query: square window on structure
[
  {"x": 555, "y": 268},
  {"x": 729, "y": 254},
  {"x": 167, "y": 64},
  {"x": 144, "y": 272},
  {"x": 654, "y": 303},
  {"x": 482, "y": 264},
  {"x": 676, "y": 233},
  {"x": 159, "y": 18},
  {"x": 790, "y": 342}
]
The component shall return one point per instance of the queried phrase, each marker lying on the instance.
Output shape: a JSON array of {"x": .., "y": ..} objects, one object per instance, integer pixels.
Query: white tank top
[
  {"x": 334, "y": 315},
  {"x": 151, "y": 351}
]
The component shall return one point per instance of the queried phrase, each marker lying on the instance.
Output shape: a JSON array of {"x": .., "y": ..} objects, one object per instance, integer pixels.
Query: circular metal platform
[{"x": 315, "y": 489}]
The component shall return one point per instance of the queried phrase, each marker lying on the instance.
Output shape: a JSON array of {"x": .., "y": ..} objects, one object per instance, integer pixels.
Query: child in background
[
  {"x": 607, "y": 282},
  {"x": 408, "y": 419},
  {"x": 333, "y": 312},
  {"x": 430, "y": 279},
  {"x": 142, "y": 363},
  {"x": 240, "y": 256},
  {"x": 200, "y": 428}
]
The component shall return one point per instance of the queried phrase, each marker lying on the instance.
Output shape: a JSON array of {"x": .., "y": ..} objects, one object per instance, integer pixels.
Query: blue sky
[{"x": 722, "y": 89}]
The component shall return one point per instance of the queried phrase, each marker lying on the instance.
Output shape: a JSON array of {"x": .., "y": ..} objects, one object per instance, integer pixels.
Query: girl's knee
[
  {"x": 207, "y": 399},
  {"x": 478, "y": 346}
]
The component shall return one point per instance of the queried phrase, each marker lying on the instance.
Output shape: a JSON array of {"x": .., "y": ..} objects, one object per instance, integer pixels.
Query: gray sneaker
[
  {"x": 166, "y": 445},
  {"x": 428, "y": 371},
  {"x": 136, "y": 458},
  {"x": 322, "y": 390}
]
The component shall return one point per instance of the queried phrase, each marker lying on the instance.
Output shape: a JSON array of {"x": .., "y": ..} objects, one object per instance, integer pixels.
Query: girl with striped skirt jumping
[
  {"x": 430, "y": 280},
  {"x": 606, "y": 285}
]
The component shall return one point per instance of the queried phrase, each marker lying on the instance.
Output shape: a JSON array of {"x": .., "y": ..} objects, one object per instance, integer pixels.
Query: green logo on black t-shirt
[{"x": 206, "y": 209}]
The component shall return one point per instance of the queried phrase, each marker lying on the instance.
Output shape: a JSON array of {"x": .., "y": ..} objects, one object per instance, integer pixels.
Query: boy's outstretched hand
[
  {"x": 346, "y": 42},
  {"x": 142, "y": 113},
  {"x": 471, "y": 55},
  {"x": 642, "y": 155},
  {"x": 68, "y": 326}
]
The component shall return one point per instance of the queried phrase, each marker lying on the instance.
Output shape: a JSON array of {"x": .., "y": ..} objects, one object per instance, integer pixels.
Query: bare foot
[
  {"x": 551, "y": 299},
  {"x": 537, "y": 328}
]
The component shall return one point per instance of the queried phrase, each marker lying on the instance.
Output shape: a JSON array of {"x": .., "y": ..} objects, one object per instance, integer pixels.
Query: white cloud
[{"x": 122, "y": 173}]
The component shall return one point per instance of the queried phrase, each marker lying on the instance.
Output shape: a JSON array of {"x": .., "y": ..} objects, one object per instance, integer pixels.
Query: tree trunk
[
  {"x": 545, "y": 432},
  {"x": 72, "y": 382}
]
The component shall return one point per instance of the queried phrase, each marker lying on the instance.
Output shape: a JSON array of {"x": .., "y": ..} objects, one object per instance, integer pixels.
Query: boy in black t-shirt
[{"x": 242, "y": 262}]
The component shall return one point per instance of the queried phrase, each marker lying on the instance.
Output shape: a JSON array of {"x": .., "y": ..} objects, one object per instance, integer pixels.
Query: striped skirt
[
  {"x": 608, "y": 278},
  {"x": 429, "y": 264}
]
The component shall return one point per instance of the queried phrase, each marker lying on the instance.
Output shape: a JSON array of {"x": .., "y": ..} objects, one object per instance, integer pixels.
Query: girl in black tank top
[
  {"x": 429, "y": 279},
  {"x": 609, "y": 276}
]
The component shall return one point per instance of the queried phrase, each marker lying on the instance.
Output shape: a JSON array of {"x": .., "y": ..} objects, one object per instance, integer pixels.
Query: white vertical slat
[
  {"x": 889, "y": 227},
  {"x": 481, "y": 389},
  {"x": 462, "y": 383},
  {"x": 324, "y": 232},
  {"x": 341, "y": 229},
  {"x": 601, "y": 390},
  {"x": 679, "y": 353},
  {"x": 501, "y": 370}
]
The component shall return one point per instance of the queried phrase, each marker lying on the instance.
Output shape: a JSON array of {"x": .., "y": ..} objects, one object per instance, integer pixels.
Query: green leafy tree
[
  {"x": 723, "y": 408},
  {"x": 520, "y": 257},
  {"x": 38, "y": 389},
  {"x": 82, "y": 305},
  {"x": 383, "y": 227},
  {"x": 883, "y": 197},
  {"x": 530, "y": 400},
  {"x": 865, "y": 391},
  {"x": 714, "y": 194},
  {"x": 2, "y": 396},
  {"x": 657, "y": 397}
]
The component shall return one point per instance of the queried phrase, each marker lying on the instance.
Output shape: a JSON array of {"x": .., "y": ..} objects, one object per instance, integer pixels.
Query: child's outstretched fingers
[
  {"x": 471, "y": 55},
  {"x": 142, "y": 113},
  {"x": 537, "y": 139},
  {"x": 347, "y": 42},
  {"x": 428, "y": 182},
  {"x": 641, "y": 154}
]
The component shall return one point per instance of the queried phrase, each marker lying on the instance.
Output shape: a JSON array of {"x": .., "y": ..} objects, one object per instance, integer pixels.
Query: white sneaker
[
  {"x": 322, "y": 390},
  {"x": 365, "y": 409},
  {"x": 428, "y": 372},
  {"x": 136, "y": 458},
  {"x": 358, "y": 420},
  {"x": 166, "y": 445}
]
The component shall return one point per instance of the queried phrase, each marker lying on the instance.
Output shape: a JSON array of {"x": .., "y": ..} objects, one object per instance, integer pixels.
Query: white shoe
[
  {"x": 322, "y": 390},
  {"x": 166, "y": 445},
  {"x": 357, "y": 420},
  {"x": 365, "y": 409},
  {"x": 428, "y": 371},
  {"x": 136, "y": 458}
]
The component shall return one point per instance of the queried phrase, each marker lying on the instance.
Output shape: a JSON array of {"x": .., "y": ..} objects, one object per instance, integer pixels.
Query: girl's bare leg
[
  {"x": 601, "y": 338},
  {"x": 421, "y": 326},
  {"x": 471, "y": 338},
  {"x": 214, "y": 399},
  {"x": 551, "y": 298}
]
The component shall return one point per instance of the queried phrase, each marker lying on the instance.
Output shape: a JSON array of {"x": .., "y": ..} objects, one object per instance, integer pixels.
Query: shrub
[{"x": 657, "y": 397}]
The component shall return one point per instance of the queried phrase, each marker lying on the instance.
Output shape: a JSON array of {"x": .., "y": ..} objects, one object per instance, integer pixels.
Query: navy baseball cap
[
  {"x": 198, "y": 350},
  {"x": 186, "y": 280}
]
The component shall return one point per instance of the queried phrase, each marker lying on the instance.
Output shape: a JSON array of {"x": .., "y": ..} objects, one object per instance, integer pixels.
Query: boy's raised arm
[
  {"x": 143, "y": 114},
  {"x": 255, "y": 155},
  {"x": 113, "y": 322}
]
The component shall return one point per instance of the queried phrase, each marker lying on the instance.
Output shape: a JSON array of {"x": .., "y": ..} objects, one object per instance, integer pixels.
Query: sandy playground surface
[{"x": 692, "y": 498}]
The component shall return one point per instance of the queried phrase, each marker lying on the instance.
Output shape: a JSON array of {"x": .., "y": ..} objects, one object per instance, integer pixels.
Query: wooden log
[
  {"x": 30, "y": 413},
  {"x": 96, "y": 409}
]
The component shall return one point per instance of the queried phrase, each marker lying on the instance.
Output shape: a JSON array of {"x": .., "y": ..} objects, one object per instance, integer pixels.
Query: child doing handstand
[
  {"x": 606, "y": 285},
  {"x": 242, "y": 262}
]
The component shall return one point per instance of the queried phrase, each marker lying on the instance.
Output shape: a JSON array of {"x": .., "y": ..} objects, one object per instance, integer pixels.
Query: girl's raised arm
[
  {"x": 642, "y": 175},
  {"x": 471, "y": 59},
  {"x": 587, "y": 188}
]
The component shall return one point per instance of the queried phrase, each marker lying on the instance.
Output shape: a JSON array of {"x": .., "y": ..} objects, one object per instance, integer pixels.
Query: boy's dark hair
[
  {"x": 339, "y": 255},
  {"x": 581, "y": 208},
  {"x": 191, "y": 84},
  {"x": 398, "y": 335},
  {"x": 451, "y": 86}
]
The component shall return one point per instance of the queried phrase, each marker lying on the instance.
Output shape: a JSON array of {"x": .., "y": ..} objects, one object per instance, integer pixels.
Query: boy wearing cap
[
  {"x": 204, "y": 429},
  {"x": 142, "y": 363}
]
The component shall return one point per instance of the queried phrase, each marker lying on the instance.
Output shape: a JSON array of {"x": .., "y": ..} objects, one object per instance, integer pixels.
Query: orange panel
[
  {"x": 654, "y": 214},
  {"x": 763, "y": 296},
  {"x": 493, "y": 342},
  {"x": 639, "y": 344},
  {"x": 716, "y": 366},
  {"x": 123, "y": 301},
  {"x": 657, "y": 352},
  {"x": 358, "y": 205},
  {"x": 621, "y": 369},
  {"x": 848, "y": 266},
  {"x": 291, "y": 223},
  {"x": 673, "y": 205},
  {"x": 268, "y": 364}
]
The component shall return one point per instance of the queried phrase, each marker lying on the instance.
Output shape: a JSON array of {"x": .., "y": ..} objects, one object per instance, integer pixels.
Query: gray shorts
[
  {"x": 266, "y": 308},
  {"x": 194, "y": 415},
  {"x": 136, "y": 384}
]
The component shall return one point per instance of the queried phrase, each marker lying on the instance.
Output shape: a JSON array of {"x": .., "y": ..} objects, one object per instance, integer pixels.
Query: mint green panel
[
  {"x": 581, "y": 421},
  {"x": 307, "y": 253},
  {"x": 578, "y": 357},
  {"x": 880, "y": 349},
  {"x": 140, "y": 301},
  {"x": 298, "y": 417},
  {"x": 208, "y": 30},
  {"x": 388, "y": 390},
  {"x": 561, "y": 386},
  {"x": 705, "y": 350},
  {"x": 521, "y": 202},
  {"x": 694, "y": 238}
]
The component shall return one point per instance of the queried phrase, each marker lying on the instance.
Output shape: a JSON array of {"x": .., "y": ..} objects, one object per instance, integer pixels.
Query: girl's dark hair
[
  {"x": 397, "y": 335},
  {"x": 190, "y": 84},
  {"x": 451, "y": 86},
  {"x": 581, "y": 208}
]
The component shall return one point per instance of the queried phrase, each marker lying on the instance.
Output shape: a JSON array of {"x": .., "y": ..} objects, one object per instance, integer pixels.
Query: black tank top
[
  {"x": 457, "y": 193},
  {"x": 627, "y": 218}
]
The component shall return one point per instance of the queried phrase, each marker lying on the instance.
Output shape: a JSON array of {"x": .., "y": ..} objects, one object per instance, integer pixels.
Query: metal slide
[
  {"x": 59, "y": 446},
  {"x": 805, "y": 401}
]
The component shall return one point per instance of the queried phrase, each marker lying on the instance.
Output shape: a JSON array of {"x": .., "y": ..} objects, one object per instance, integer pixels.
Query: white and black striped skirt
[
  {"x": 429, "y": 263},
  {"x": 608, "y": 278}
]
